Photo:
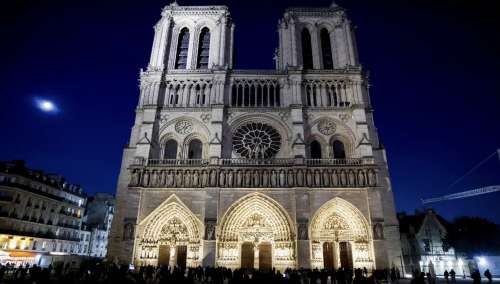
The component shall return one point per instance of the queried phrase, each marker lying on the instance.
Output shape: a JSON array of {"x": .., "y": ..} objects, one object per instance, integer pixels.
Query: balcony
[{"x": 254, "y": 173}]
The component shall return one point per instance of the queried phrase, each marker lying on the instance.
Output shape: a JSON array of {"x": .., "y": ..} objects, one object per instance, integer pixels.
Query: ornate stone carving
[
  {"x": 184, "y": 127},
  {"x": 205, "y": 117},
  {"x": 251, "y": 177},
  {"x": 327, "y": 127}
]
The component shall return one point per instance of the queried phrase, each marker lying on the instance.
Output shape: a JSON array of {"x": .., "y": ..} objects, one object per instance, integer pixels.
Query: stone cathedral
[{"x": 254, "y": 168}]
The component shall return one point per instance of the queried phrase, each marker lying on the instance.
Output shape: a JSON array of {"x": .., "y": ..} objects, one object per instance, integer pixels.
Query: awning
[{"x": 22, "y": 254}]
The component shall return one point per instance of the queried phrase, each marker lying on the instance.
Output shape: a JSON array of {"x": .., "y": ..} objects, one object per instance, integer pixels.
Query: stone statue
[
  {"x": 248, "y": 179},
  {"x": 378, "y": 231},
  {"x": 170, "y": 178},
  {"x": 326, "y": 178},
  {"x": 300, "y": 178},
  {"x": 213, "y": 178},
  {"x": 256, "y": 178},
  {"x": 352, "y": 179},
  {"x": 187, "y": 179},
  {"x": 265, "y": 178},
  {"x": 134, "y": 179},
  {"x": 230, "y": 178},
  {"x": 335, "y": 179},
  {"x": 282, "y": 178},
  {"x": 273, "y": 179},
  {"x": 222, "y": 178},
  {"x": 210, "y": 231},
  {"x": 303, "y": 231},
  {"x": 145, "y": 178},
  {"x": 361, "y": 178},
  {"x": 154, "y": 179},
  {"x": 128, "y": 232},
  {"x": 196, "y": 177}
]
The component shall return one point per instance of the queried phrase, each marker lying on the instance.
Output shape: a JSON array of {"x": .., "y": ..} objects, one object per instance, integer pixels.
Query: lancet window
[
  {"x": 326, "y": 49},
  {"x": 182, "y": 49},
  {"x": 255, "y": 94},
  {"x": 203, "y": 49},
  {"x": 307, "y": 57}
]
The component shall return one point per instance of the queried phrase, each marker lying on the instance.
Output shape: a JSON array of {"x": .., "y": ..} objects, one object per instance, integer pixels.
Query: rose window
[{"x": 256, "y": 141}]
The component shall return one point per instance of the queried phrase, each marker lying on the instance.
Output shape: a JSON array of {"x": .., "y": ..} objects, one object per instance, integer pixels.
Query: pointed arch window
[
  {"x": 195, "y": 149},
  {"x": 170, "y": 149},
  {"x": 326, "y": 49},
  {"x": 307, "y": 57},
  {"x": 338, "y": 150},
  {"x": 203, "y": 49},
  {"x": 182, "y": 49},
  {"x": 315, "y": 148}
]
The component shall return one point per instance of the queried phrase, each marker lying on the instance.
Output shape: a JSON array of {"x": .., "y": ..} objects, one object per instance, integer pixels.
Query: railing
[{"x": 251, "y": 162}]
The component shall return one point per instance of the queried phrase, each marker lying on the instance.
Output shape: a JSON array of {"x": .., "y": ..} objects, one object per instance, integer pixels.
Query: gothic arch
[
  {"x": 256, "y": 218},
  {"x": 195, "y": 136},
  {"x": 171, "y": 224},
  {"x": 340, "y": 221},
  {"x": 342, "y": 132}
]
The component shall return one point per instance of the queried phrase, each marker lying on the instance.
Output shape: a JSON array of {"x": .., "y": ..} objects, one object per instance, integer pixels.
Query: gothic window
[
  {"x": 307, "y": 57},
  {"x": 195, "y": 149},
  {"x": 338, "y": 150},
  {"x": 203, "y": 49},
  {"x": 256, "y": 141},
  {"x": 182, "y": 49},
  {"x": 170, "y": 149},
  {"x": 315, "y": 149},
  {"x": 326, "y": 49}
]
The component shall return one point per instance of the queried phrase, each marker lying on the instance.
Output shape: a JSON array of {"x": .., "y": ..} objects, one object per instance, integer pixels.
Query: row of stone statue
[{"x": 307, "y": 177}]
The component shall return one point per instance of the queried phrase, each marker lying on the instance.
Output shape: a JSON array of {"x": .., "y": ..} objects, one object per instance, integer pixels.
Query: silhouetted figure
[
  {"x": 476, "y": 277},
  {"x": 487, "y": 274},
  {"x": 446, "y": 276},
  {"x": 452, "y": 274}
]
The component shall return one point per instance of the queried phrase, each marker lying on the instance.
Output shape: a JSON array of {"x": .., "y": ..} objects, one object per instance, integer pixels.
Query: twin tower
[{"x": 254, "y": 168}]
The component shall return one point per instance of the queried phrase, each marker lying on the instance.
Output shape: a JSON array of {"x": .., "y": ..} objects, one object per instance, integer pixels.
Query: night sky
[{"x": 434, "y": 70}]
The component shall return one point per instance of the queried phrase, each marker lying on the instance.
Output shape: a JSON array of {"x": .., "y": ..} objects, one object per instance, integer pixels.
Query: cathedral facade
[{"x": 254, "y": 168}]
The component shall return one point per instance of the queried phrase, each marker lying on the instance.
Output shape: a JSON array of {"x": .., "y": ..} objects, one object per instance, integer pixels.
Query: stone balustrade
[{"x": 248, "y": 173}]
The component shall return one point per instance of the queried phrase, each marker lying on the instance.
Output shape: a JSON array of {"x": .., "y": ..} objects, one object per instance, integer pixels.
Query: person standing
[
  {"x": 487, "y": 274},
  {"x": 452, "y": 274},
  {"x": 446, "y": 275},
  {"x": 476, "y": 277}
]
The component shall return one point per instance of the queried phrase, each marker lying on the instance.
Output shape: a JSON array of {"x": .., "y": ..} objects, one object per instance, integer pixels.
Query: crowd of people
[{"x": 111, "y": 273}]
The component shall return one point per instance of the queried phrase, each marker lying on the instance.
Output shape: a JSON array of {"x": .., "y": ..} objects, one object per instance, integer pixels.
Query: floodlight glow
[{"x": 482, "y": 261}]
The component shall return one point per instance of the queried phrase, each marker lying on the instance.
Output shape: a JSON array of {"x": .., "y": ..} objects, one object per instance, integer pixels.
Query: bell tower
[
  {"x": 316, "y": 38},
  {"x": 187, "y": 35}
]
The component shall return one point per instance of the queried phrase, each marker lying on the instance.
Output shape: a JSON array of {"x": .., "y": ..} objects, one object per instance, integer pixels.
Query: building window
[
  {"x": 256, "y": 141},
  {"x": 171, "y": 149},
  {"x": 315, "y": 149},
  {"x": 427, "y": 245},
  {"x": 326, "y": 49},
  {"x": 195, "y": 149},
  {"x": 182, "y": 49},
  {"x": 307, "y": 57},
  {"x": 338, "y": 150},
  {"x": 203, "y": 49}
]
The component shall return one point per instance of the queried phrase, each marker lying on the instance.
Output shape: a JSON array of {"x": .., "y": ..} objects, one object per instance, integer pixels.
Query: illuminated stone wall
[{"x": 220, "y": 158}]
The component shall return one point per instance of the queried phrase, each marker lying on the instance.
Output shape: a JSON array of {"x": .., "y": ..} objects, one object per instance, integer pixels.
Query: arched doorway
[
  {"x": 340, "y": 237},
  {"x": 256, "y": 232},
  {"x": 170, "y": 235}
]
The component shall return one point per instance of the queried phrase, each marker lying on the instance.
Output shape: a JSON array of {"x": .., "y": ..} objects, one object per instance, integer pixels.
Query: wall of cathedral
[{"x": 224, "y": 163}]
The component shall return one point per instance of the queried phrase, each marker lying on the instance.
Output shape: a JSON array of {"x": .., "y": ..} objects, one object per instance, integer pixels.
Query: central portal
[{"x": 250, "y": 230}]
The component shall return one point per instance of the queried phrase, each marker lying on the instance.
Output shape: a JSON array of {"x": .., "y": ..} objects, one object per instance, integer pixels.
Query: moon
[{"x": 46, "y": 105}]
